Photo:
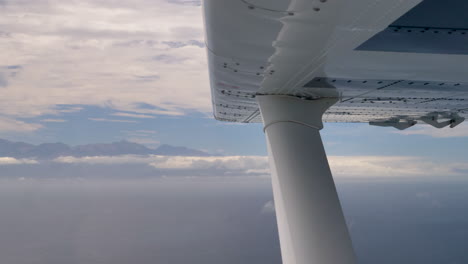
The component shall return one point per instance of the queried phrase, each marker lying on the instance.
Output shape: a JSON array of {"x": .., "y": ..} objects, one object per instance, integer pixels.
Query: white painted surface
[{"x": 311, "y": 224}]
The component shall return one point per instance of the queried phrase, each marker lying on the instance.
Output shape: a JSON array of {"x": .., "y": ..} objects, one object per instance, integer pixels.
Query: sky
[{"x": 101, "y": 71}]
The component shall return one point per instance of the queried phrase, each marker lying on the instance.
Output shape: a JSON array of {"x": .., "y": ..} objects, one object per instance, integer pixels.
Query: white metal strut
[{"x": 312, "y": 228}]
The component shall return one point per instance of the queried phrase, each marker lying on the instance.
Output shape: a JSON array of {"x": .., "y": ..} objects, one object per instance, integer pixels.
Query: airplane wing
[
  {"x": 389, "y": 62},
  {"x": 292, "y": 63}
]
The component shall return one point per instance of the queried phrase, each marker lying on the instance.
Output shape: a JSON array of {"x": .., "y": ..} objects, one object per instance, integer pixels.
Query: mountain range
[{"x": 53, "y": 150}]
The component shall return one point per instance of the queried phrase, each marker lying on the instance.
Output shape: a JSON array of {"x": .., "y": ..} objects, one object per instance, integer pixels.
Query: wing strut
[{"x": 312, "y": 228}]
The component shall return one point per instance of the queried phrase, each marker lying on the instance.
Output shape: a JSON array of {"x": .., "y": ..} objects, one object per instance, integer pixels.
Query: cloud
[
  {"x": 144, "y": 108},
  {"x": 181, "y": 44},
  {"x": 100, "y": 52},
  {"x": 133, "y": 115},
  {"x": 12, "y": 125},
  {"x": 49, "y": 120},
  {"x": 168, "y": 59},
  {"x": 141, "y": 133},
  {"x": 392, "y": 167},
  {"x": 217, "y": 166},
  {"x": 123, "y": 159},
  {"x": 144, "y": 141},
  {"x": 185, "y": 2},
  {"x": 458, "y": 131},
  {"x": 13, "y": 161},
  {"x": 142, "y": 136},
  {"x": 229, "y": 164},
  {"x": 343, "y": 167},
  {"x": 112, "y": 120},
  {"x": 369, "y": 167},
  {"x": 67, "y": 109},
  {"x": 147, "y": 78}
]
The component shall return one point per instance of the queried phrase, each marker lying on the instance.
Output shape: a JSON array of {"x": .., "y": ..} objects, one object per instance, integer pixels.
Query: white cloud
[
  {"x": 112, "y": 120},
  {"x": 13, "y": 161},
  {"x": 458, "y": 131},
  {"x": 393, "y": 167},
  {"x": 133, "y": 115},
  {"x": 233, "y": 165},
  {"x": 342, "y": 166},
  {"x": 49, "y": 120},
  {"x": 123, "y": 159},
  {"x": 12, "y": 125},
  {"x": 140, "y": 133},
  {"x": 230, "y": 163},
  {"x": 103, "y": 53},
  {"x": 144, "y": 141},
  {"x": 143, "y": 136}
]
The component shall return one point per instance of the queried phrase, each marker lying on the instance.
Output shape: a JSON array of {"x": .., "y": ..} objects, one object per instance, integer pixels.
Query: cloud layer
[
  {"x": 13, "y": 161},
  {"x": 217, "y": 166},
  {"x": 12, "y": 125},
  {"x": 118, "y": 54},
  {"x": 365, "y": 167}
]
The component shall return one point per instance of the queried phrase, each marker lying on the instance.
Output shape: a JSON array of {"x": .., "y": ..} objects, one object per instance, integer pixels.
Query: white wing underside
[{"x": 309, "y": 49}]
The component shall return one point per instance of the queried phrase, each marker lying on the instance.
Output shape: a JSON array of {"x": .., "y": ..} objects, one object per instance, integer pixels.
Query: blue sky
[{"x": 94, "y": 124}]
